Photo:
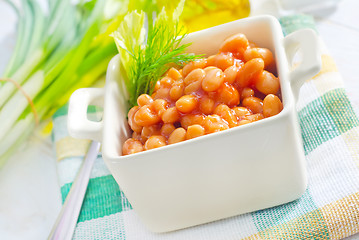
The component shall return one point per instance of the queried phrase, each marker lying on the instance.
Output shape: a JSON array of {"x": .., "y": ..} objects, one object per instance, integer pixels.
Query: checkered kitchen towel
[{"x": 329, "y": 209}]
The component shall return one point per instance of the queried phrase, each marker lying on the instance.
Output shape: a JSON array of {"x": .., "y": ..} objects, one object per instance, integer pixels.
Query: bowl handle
[
  {"x": 306, "y": 42},
  {"x": 79, "y": 126}
]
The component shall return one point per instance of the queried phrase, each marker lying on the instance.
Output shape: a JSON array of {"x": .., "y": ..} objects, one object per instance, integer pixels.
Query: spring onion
[{"x": 57, "y": 51}]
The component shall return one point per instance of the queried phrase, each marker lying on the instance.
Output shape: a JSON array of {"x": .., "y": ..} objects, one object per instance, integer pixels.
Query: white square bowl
[{"x": 243, "y": 169}]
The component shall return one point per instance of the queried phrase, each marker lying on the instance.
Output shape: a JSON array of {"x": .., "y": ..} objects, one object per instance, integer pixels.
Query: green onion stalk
[
  {"x": 57, "y": 50},
  {"x": 68, "y": 47}
]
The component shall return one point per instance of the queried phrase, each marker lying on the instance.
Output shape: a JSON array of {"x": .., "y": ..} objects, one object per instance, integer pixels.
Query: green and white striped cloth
[{"x": 329, "y": 209}]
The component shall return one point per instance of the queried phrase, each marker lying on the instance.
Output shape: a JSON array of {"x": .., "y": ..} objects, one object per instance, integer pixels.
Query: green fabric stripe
[
  {"x": 268, "y": 218},
  {"x": 296, "y": 22},
  {"x": 325, "y": 118},
  {"x": 64, "y": 109},
  {"x": 340, "y": 109},
  {"x": 317, "y": 125},
  {"x": 61, "y": 111},
  {"x": 103, "y": 198}
]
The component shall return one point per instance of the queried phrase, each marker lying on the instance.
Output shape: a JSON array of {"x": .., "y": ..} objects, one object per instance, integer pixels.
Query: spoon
[{"x": 65, "y": 224}]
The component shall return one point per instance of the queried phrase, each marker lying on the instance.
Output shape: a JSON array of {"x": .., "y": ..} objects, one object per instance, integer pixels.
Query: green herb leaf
[{"x": 145, "y": 60}]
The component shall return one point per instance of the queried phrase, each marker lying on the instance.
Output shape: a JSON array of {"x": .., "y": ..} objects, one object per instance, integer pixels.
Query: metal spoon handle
[{"x": 66, "y": 221}]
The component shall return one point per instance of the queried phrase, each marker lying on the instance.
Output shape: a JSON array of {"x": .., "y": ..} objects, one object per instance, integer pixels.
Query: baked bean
[
  {"x": 271, "y": 105},
  {"x": 237, "y": 43},
  {"x": 247, "y": 92},
  {"x": 211, "y": 60},
  {"x": 178, "y": 135},
  {"x": 171, "y": 115},
  {"x": 206, "y": 105},
  {"x": 178, "y": 82},
  {"x": 194, "y": 131},
  {"x": 166, "y": 82},
  {"x": 249, "y": 70},
  {"x": 230, "y": 74},
  {"x": 227, "y": 94},
  {"x": 149, "y": 131},
  {"x": 167, "y": 129},
  {"x": 160, "y": 106},
  {"x": 194, "y": 76},
  {"x": 207, "y": 69},
  {"x": 241, "y": 112},
  {"x": 244, "y": 121},
  {"x": 145, "y": 116},
  {"x": 223, "y": 61},
  {"x": 213, "y": 80},
  {"x": 131, "y": 146},
  {"x": 267, "y": 83},
  {"x": 162, "y": 93},
  {"x": 193, "y": 87},
  {"x": 186, "y": 103},
  {"x": 191, "y": 119},
  {"x": 155, "y": 142},
  {"x": 132, "y": 111},
  {"x": 214, "y": 123},
  {"x": 174, "y": 74},
  {"x": 144, "y": 99},
  {"x": 177, "y": 90},
  {"x": 157, "y": 86},
  {"x": 254, "y": 104},
  {"x": 255, "y": 117},
  {"x": 263, "y": 53},
  {"x": 227, "y": 114},
  {"x": 200, "y": 63},
  {"x": 131, "y": 114}
]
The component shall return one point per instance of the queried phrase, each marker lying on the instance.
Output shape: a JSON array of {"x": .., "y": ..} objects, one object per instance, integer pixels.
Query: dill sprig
[{"x": 146, "y": 59}]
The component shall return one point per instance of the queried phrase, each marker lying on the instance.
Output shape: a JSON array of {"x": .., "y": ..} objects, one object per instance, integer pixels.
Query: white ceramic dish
[{"x": 219, "y": 175}]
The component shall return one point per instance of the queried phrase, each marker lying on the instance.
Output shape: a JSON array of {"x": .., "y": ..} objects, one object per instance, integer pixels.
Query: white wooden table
[{"x": 29, "y": 190}]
